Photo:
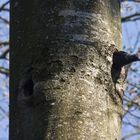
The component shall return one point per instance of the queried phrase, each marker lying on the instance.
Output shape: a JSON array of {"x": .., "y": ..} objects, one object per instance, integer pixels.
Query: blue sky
[
  {"x": 131, "y": 41},
  {"x": 4, "y": 81}
]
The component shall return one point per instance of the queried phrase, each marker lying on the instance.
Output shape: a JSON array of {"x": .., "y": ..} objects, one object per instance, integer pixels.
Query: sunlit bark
[{"x": 61, "y": 86}]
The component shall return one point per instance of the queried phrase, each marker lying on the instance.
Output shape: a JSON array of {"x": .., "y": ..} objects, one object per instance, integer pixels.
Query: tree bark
[{"x": 61, "y": 55}]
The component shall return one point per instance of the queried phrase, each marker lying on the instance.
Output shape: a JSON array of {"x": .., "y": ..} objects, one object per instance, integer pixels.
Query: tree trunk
[{"x": 61, "y": 86}]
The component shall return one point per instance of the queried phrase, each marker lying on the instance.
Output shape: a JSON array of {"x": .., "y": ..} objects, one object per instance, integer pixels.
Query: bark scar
[{"x": 26, "y": 86}]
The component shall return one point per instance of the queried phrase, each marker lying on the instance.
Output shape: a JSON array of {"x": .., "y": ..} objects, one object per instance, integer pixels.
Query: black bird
[{"x": 120, "y": 59}]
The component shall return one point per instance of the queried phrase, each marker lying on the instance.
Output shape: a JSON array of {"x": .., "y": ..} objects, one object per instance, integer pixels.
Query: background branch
[
  {"x": 132, "y": 17},
  {"x": 4, "y": 5}
]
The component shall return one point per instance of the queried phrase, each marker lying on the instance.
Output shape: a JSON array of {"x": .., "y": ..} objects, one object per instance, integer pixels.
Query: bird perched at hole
[{"x": 120, "y": 59}]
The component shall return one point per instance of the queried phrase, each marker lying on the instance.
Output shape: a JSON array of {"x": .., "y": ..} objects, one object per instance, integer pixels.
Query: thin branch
[
  {"x": 6, "y": 9},
  {"x": 4, "y": 20},
  {"x": 130, "y": 1},
  {"x": 130, "y": 113},
  {"x": 4, "y": 71},
  {"x": 5, "y": 43},
  {"x": 133, "y": 115},
  {"x": 129, "y": 18},
  {"x": 133, "y": 125},
  {"x": 133, "y": 102},
  {"x": 130, "y": 135},
  {"x": 5, "y": 113},
  {"x": 137, "y": 39},
  {"x": 3, "y": 6},
  {"x": 137, "y": 86},
  {"x": 3, "y": 55}
]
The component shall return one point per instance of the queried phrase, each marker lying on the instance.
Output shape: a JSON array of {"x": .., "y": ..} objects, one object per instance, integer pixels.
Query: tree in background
[{"x": 61, "y": 86}]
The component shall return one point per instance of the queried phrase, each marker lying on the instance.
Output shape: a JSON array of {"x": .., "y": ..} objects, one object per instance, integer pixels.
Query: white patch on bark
[
  {"x": 86, "y": 81},
  {"x": 109, "y": 58},
  {"x": 86, "y": 39},
  {"x": 102, "y": 2},
  {"x": 87, "y": 15},
  {"x": 80, "y": 37}
]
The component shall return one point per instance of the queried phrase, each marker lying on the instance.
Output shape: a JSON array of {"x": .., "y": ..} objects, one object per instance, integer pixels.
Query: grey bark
[{"x": 61, "y": 54}]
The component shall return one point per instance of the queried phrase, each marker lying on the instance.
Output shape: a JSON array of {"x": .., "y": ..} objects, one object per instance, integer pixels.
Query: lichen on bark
[{"x": 69, "y": 45}]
